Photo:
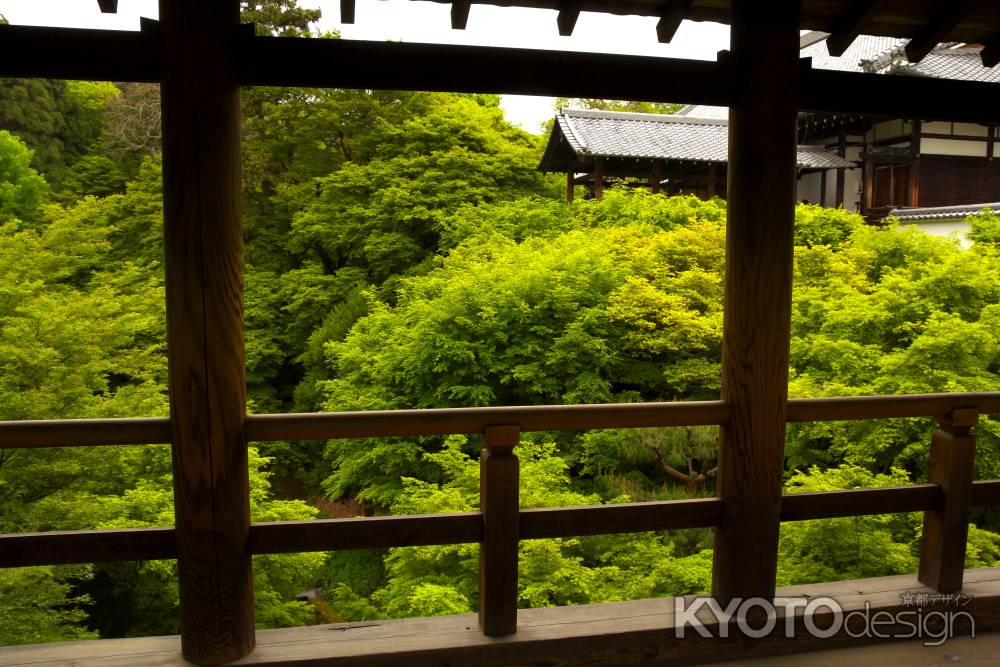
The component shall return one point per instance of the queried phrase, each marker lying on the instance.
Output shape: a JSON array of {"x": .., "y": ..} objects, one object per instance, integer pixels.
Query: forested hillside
[{"x": 402, "y": 251}]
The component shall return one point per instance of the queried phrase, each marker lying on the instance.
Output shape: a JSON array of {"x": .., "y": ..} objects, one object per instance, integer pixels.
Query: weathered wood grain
[
  {"x": 499, "y": 481},
  {"x": 946, "y": 528},
  {"x": 758, "y": 292},
  {"x": 600, "y": 635},
  {"x": 203, "y": 242},
  {"x": 87, "y": 546}
]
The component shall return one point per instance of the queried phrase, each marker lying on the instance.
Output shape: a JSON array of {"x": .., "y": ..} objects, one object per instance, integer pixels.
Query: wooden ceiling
[{"x": 924, "y": 22}]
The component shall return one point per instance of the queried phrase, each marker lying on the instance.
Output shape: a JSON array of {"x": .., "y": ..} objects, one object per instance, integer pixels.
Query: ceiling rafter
[
  {"x": 569, "y": 12},
  {"x": 108, "y": 6},
  {"x": 670, "y": 19},
  {"x": 937, "y": 28},
  {"x": 460, "y": 13},
  {"x": 847, "y": 28},
  {"x": 347, "y": 11}
]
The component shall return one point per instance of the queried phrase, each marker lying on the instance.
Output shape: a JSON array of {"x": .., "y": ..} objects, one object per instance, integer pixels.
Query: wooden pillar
[
  {"x": 713, "y": 178},
  {"x": 757, "y": 317},
  {"x": 657, "y": 177},
  {"x": 869, "y": 193},
  {"x": 915, "y": 166},
  {"x": 203, "y": 241},
  {"x": 841, "y": 173},
  {"x": 942, "y": 550},
  {"x": 598, "y": 178},
  {"x": 569, "y": 187},
  {"x": 498, "y": 502},
  {"x": 822, "y": 187}
]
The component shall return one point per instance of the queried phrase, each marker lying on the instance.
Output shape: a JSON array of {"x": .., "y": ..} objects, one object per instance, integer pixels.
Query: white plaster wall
[
  {"x": 808, "y": 187},
  {"x": 853, "y": 179},
  {"x": 952, "y": 147},
  {"x": 888, "y": 129},
  {"x": 971, "y": 129},
  {"x": 946, "y": 227},
  {"x": 936, "y": 127}
]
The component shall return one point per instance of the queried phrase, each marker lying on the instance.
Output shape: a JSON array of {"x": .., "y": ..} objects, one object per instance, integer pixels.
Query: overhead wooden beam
[
  {"x": 569, "y": 12},
  {"x": 670, "y": 19},
  {"x": 937, "y": 28},
  {"x": 758, "y": 296},
  {"x": 203, "y": 261},
  {"x": 73, "y": 53},
  {"x": 108, "y": 6},
  {"x": 347, "y": 11},
  {"x": 850, "y": 24},
  {"x": 460, "y": 13}
]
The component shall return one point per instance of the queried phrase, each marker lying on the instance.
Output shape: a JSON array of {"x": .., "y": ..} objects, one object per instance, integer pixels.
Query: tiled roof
[
  {"x": 666, "y": 137},
  {"x": 885, "y": 55},
  {"x": 941, "y": 212}
]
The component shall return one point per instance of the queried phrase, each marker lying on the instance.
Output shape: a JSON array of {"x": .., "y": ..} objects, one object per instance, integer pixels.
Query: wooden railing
[{"x": 500, "y": 523}]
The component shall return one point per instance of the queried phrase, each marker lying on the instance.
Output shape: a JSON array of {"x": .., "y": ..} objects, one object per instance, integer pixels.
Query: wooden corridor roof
[{"x": 925, "y": 23}]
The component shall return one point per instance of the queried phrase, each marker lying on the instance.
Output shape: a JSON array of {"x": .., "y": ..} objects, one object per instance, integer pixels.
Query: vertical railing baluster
[
  {"x": 498, "y": 502},
  {"x": 946, "y": 529}
]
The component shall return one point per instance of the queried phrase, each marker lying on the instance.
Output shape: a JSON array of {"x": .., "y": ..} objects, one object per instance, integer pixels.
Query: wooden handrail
[
  {"x": 447, "y": 421},
  {"x": 83, "y": 432}
]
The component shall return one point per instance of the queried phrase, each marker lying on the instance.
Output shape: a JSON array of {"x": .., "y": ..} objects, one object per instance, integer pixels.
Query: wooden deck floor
[{"x": 623, "y": 633}]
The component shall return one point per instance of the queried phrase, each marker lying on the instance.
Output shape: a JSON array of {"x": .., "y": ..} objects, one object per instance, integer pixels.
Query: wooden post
[
  {"x": 498, "y": 501},
  {"x": 757, "y": 316},
  {"x": 654, "y": 187},
  {"x": 203, "y": 241},
  {"x": 569, "y": 187},
  {"x": 841, "y": 173},
  {"x": 713, "y": 179},
  {"x": 915, "y": 166},
  {"x": 942, "y": 550},
  {"x": 869, "y": 193},
  {"x": 598, "y": 178}
]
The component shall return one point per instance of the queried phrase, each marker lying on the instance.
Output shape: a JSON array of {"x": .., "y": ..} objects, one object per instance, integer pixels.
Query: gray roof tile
[{"x": 658, "y": 136}]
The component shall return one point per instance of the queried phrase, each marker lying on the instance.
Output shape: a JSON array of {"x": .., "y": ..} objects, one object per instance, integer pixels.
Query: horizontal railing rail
[
  {"x": 449, "y": 421},
  {"x": 382, "y": 532}
]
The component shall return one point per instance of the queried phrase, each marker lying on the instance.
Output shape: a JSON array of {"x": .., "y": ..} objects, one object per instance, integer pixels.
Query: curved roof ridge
[{"x": 637, "y": 116}]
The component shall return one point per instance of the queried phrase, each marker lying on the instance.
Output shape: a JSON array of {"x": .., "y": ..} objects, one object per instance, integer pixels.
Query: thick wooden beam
[
  {"x": 850, "y": 24},
  {"x": 569, "y": 12},
  {"x": 670, "y": 19},
  {"x": 498, "y": 501},
  {"x": 758, "y": 291},
  {"x": 569, "y": 187},
  {"x": 72, "y": 53},
  {"x": 108, "y": 6},
  {"x": 948, "y": 15},
  {"x": 203, "y": 247},
  {"x": 460, "y": 13},
  {"x": 946, "y": 529},
  {"x": 347, "y": 11}
]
